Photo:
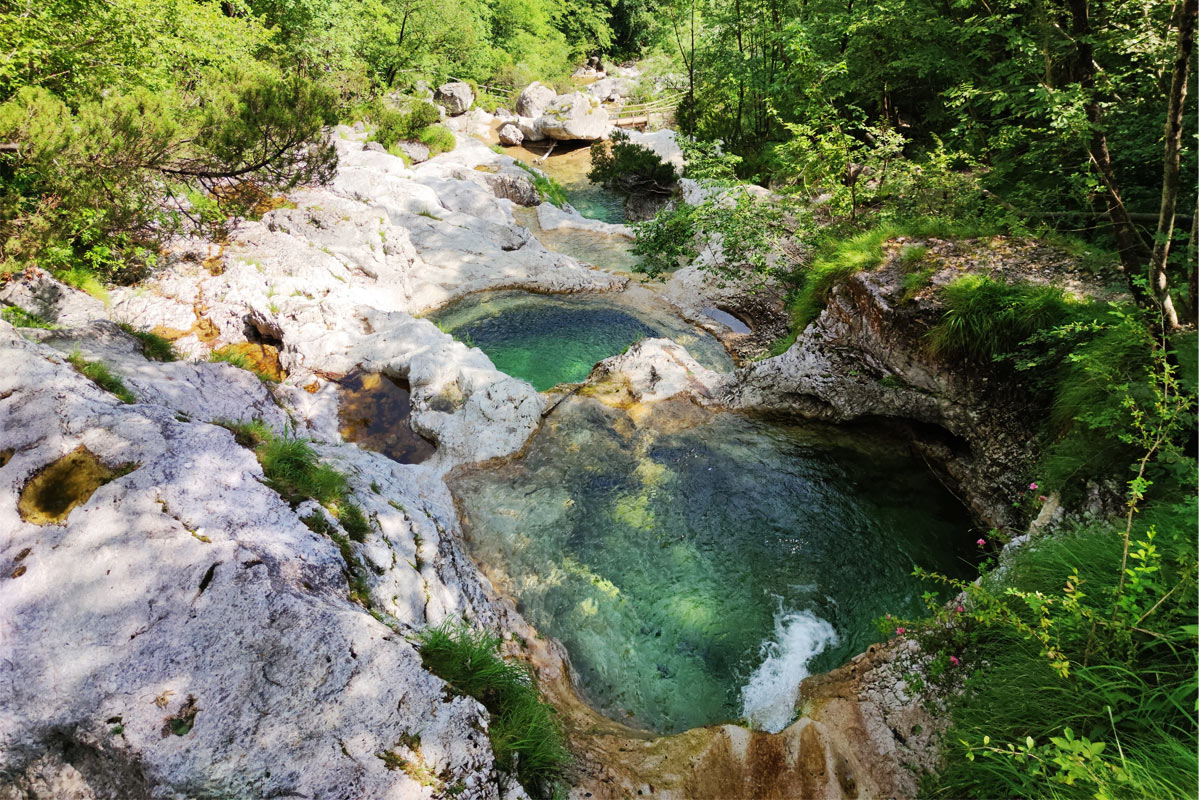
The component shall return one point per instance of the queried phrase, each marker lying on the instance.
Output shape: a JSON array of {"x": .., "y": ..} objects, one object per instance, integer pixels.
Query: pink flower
[
  {"x": 899, "y": 631},
  {"x": 1041, "y": 498},
  {"x": 954, "y": 660},
  {"x": 960, "y": 609},
  {"x": 1033, "y": 486},
  {"x": 980, "y": 542},
  {"x": 889, "y": 616}
]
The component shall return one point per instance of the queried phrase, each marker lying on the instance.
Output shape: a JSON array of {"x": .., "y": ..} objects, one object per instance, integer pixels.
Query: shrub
[
  {"x": 394, "y": 125},
  {"x": 1122, "y": 675},
  {"x": 100, "y": 374},
  {"x": 630, "y": 168},
  {"x": 525, "y": 734},
  {"x": 154, "y": 347},
  {"x": 438, "y": 138}
]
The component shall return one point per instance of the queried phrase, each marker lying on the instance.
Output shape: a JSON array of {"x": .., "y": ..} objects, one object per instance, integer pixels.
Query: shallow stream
[{"x": 696, "y": 564}]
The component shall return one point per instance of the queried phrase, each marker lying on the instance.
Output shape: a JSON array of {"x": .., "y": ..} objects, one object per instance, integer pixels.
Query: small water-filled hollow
[
  {"x": 569, "y": 164},
  {"x": 697, "y": 565},
  {"x": 553, "y": 339},
  {"x": 51, "y": 495},
  {"x": 375, "y": 411}
]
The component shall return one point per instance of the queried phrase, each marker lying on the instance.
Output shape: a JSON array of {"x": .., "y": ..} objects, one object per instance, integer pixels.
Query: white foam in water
[{"x": 769, "y": 699}]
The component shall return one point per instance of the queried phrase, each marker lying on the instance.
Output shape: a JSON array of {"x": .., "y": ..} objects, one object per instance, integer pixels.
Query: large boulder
[
  {"x": 610, "y": 90},
  {"x": 510, "y": 135},
  {"x": 533, "y": 99},
  {"x": 531, "y": 128},
  {"x": 456, "y": 97},
  {"x": 575, "y": 116}
]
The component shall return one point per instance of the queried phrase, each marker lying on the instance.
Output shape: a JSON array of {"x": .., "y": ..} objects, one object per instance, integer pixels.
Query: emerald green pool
[
  {"x": 553, "y": 339},
  {"x": 697, "y": 565}
]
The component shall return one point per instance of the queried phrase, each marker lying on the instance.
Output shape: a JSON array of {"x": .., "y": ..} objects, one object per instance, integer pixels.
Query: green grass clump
[
  {"x": 548, "y": 189},
  {"x": 524, "y": 730},
  {"x": 231, "y": 358},
  {"x": 154, "y": 347},
  {"x": 354, "y": 521},
  {"x": 85, "y": 280},
  {"x": 20, "y": 318},
  {"x": 99, "y": 373},
  {"x": 985, "y": 318},
  {"x": 292, "y": 469},
  {"x": 438, "y": 138},
  {"x": 1132, "y": 689}
]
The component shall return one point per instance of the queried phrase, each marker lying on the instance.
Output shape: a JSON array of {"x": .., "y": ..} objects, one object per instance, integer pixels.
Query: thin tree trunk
[
  {"x": 1185, "y": 19},
  {"x": 1133, "y": 251}
]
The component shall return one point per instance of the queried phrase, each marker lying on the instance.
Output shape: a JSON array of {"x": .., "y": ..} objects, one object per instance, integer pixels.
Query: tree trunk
[
  {"x": 1133, "y": 251},
  {"x": 1185, "y": 24}
]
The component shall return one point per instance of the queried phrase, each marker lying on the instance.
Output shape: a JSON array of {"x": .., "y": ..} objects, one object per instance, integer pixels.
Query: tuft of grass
[
  {"x": 84, "y": 280},
  {"x": 231, "y": 358},
  {"x": 354, "y": 521},
  {"x": 20, "y": 318},
  {"x": 548, "y": 189},
  {"x": 248, "y": 434},
  {"x": 99, "y": 373},
  {"x": 429, "y": 215},
  {"x": 154, "y": 347},
  {"x": 844, "y": 258},
  {"x": 292, "y": 469},
  {"x": 985, "y": 318},
  {"x": 525, "y": 733}
]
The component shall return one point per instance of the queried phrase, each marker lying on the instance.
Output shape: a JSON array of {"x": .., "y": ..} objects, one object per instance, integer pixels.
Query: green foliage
[
  {"x": 20, "y": 318},
  {"x": 394, "y": 125},
  {"x": 985, "y": 318},
  {"x": 1080, "y": 684},
  {"x": 292, "y": 469},
  {"x": 548, "y": 189},
  {"x": 630, "y": 168},
  {"x": 833, "y": 263},
  {"x": 438, "y": 138},
  {"x": 154, "y": 347},
  {"x": 354, "y": 521},
  {"x": 99, "y": 373},
  {"x": 524, "y": 732}
]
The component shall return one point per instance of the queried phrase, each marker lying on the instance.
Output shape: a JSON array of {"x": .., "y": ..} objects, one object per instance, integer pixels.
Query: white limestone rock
[
  {"x": 574, "y": 116},
  {"x": 456, "y": 97},
  {"x": 188, "y": 584},
  {"x": 533, "y": 100}
]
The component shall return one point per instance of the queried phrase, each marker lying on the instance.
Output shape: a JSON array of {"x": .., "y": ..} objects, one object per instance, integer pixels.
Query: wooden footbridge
[{"x": 638, "y": 115}]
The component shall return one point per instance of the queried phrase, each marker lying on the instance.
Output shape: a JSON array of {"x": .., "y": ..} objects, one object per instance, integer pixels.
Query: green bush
[
  {"x": 394, "y": 125},
  {"x": 99, "y": 373},
  {"x": 154, "y": 347},
  {"x": 1130, "y": 674},
  {"x": 630, "y": 168},
  {"x": 438, "y": 138},
  {"x": 524, "y": 731}
]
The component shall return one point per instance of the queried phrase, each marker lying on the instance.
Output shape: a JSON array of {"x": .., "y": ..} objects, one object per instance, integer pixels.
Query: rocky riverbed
[{"x": 180, "y": 632}]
